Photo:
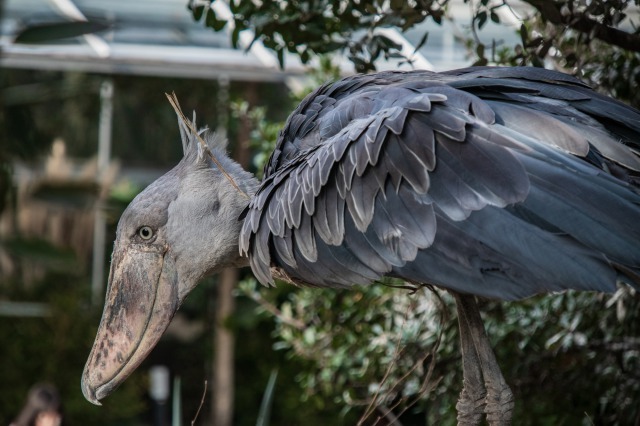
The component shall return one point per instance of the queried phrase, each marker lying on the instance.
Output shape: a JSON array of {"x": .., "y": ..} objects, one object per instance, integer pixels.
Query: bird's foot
[
  {"x": 470, "y": 407},
  {"x": 499, "y": 405}
]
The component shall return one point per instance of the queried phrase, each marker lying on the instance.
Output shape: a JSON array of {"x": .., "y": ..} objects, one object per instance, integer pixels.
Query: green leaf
[
  {"x": 481, "y": 62},
  {"x": 422, "y": 41},
  {"x": 197, "y": 12},
  {"x": 280, "y": 53},
  {"x": 387, "y": 43},
  {"x": 235, "y": 35},
  {"x": 304, "y": 56},
  {"x": 481, "y": 18},
  {"x": 397, "y": 4},
  {"x": 494, "y": 17},
  {"x": 537, "y": 62},
  {"x": 524, "y": 34},
  {"x": 57, "y": 30},
  {"x": 212, "y": 21}
]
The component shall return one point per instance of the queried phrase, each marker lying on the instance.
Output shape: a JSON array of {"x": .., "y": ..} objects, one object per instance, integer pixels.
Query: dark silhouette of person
[{"x": 43, "y": 407}]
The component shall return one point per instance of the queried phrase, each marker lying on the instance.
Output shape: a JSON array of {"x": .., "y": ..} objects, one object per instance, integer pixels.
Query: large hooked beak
[{"x": 142, "y": 297}]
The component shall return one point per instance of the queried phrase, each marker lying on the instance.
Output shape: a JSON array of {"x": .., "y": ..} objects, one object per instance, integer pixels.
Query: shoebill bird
[{"x": 493, "y": 182}]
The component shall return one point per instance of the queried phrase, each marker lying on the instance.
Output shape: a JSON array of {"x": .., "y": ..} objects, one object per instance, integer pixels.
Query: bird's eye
[{"x": 145, "y": 232}]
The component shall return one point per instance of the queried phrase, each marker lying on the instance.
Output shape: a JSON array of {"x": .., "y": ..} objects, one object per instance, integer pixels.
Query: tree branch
[{"x": 550, "y": 10}]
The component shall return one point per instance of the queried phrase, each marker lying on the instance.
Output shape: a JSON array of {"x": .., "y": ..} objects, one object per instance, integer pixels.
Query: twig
[
  {"x": 273, "y": 310},
  {"x": 204, "y": 393},
  {"x": 173, "y": 100},
  {"x": 388, "y": 415},
  {"x": 579, "y": 21},
  {"x": 589, "y": 418},
  {"x": 372, "y": 405},
  {"x": 424, "y": 388}
]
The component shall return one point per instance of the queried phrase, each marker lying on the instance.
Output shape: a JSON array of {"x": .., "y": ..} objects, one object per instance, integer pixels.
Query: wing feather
[
  {"x": 410, "y": 167},
  {"x": 305, "y": 239},
  {"x": 335, "y": 207},
  {"x": 529, "y": 121},
  {"x": 284, "y": 248},
  {"x": 361, "y": 199},
  {"x": 493, "y": 181}
]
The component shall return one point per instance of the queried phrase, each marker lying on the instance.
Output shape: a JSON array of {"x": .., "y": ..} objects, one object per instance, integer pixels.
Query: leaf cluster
[
  {"x": 370, "y": 349},
  {"x": 390, "y": 349},
  {"x": 311, "y": 28},
  {"x": 553, "y": 348},
  {"x": 596, "y": 41}
]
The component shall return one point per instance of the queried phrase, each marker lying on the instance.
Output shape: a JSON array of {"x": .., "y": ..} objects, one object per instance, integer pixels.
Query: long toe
[
  {"x": 499, "y": 405},
  {"x": 471, "y": 406}
]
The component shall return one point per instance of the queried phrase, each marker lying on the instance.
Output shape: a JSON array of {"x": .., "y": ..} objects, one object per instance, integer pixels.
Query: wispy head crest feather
[{"x": 192, "y": 139}]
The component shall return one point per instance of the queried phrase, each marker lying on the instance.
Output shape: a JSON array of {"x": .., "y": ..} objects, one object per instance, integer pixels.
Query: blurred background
[{"x": 86, "y": 126}]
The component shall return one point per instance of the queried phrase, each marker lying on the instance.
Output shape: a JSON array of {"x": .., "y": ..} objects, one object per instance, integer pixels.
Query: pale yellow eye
[{"x": 145, "y": 232}]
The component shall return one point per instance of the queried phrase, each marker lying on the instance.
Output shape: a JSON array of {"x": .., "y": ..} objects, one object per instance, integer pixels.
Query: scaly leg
[
  {"x": 471, "y": 402},
  {"x": 499, "y": 398}
]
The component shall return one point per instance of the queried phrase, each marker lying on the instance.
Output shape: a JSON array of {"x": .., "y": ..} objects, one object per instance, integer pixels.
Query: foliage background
[{"x": 571, "y": 358}]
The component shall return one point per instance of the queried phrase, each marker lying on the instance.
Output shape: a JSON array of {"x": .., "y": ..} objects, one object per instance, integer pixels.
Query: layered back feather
[{"x": 499, "y": 182}]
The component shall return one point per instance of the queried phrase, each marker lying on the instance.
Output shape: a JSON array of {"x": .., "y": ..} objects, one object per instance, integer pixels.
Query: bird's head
[{"x": 181, "y": 228}]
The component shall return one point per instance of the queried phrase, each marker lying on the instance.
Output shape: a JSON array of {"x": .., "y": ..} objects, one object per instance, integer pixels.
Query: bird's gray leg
[
  {"x": 471, "y": 402},
  {"x": 499, "y": 399}
]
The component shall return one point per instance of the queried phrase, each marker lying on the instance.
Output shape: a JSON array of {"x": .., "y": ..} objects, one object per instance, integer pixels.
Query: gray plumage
[{"x": 496, "y": 182}]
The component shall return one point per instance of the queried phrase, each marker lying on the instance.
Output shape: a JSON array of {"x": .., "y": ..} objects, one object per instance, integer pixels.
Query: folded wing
[{"x": 497, "y": 182}]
